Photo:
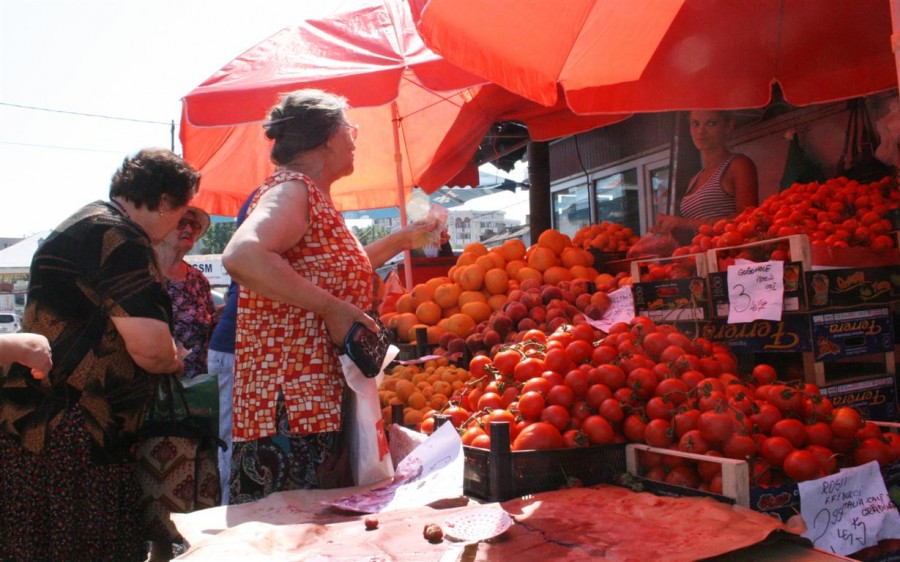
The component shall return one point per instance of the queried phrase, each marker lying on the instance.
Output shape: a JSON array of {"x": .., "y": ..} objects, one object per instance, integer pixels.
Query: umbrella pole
[
  {"x": 895, "y": 36},
  {"x": 401, "y": 195}
]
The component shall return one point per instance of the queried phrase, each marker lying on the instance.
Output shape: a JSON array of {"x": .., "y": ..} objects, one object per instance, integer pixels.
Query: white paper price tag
[
  {"x": 621, "y": 309},
  {"x": 755, "y": 291},
  {"x": 848, "y": 511}
]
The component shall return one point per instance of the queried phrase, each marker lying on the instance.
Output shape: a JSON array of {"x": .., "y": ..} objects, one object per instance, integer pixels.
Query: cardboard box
[
  {"x": 852, "y": 287},
  {"x": 790, "y": 334},
  {"x": 875, "y": 399},
  {"x": 852, "y": 333},
  {"x": 673, "y": 300}
]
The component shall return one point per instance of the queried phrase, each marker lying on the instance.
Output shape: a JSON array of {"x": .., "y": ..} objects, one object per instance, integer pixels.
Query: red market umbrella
[
  {"x": 404, "y": 99},
  {"x": 609, "y": 56}
]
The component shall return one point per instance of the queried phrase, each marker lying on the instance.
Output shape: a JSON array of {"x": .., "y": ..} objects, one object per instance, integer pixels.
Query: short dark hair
[
  {"x": 151, "y": 173},
  {"x": 303, "y": 120}
]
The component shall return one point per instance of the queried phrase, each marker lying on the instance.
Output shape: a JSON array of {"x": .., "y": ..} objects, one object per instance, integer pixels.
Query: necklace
[{"x": 119, "y": 207}]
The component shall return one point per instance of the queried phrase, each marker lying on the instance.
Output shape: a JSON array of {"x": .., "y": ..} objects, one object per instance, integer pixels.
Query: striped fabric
[{"x": 710, "y": 200}]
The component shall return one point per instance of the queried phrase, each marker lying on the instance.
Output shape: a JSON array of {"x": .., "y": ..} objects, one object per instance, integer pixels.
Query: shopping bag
[
  {"x": 176, "y": 461},
  {"x": 370, "y": 455}
]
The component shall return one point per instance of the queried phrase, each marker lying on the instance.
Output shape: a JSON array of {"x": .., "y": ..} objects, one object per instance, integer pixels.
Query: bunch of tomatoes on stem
[{"x": 648, "y": 383}]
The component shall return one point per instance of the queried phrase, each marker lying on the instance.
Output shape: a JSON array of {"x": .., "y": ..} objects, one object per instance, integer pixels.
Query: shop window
[
  {"x": 618, "y": 199},
  {"x": 571, "y": 209}
]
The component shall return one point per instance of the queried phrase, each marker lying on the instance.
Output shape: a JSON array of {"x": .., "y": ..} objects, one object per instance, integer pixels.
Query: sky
[{"x": 129, "y": 60}]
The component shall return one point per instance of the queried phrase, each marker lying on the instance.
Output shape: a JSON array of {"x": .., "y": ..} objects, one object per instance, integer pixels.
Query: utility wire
[{"x": 84, "y": 114}]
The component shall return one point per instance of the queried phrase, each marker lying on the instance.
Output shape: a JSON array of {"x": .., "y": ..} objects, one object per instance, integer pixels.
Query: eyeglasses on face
[
  {"x": 195, "y": 225},
  {"x": 354, "y": 130}
]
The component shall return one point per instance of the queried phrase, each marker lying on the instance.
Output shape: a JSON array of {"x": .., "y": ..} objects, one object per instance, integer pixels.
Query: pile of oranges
[
  {"x": 480, "y": 282},
  {"x": 605, "y": 237},
  {"x": 420, "y": 388}
]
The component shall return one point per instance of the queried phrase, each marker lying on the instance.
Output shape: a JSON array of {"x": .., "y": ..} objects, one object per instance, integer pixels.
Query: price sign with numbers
[
  {"x": 755, "y": 291},
  {"x": 848, "y": 511},
  {"x": 621, "y": 309}
]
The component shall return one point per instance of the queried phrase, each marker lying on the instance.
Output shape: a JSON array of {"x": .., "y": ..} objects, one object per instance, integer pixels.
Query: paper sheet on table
[
  {"x": 621, "y": 309},
  {"x": 432, "y": 472}
]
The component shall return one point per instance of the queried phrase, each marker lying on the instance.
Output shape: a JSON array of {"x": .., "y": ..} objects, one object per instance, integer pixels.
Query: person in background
[
  {"x": 67, "y": 476},
  {"x": 305, "y": 279},
  {"x": 30, "y": 350},
  {"x": 220, "y": 362},
  {"x": 192, "y": 305},
  {"x": 725, "y": 186}
]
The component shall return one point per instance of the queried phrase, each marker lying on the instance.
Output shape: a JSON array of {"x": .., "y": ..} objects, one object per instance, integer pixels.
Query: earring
[{"x": 161, "y": 213}]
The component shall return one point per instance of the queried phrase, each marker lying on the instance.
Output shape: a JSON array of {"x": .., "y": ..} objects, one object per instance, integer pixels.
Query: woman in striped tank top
[{"x": 725, "y": 186}]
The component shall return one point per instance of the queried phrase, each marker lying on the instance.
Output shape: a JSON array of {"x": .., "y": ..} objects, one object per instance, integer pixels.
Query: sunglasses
[{"x": 185, "y": 222}]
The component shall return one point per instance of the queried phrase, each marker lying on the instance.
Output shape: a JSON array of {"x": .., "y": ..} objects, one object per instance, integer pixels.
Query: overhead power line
[
  {"x": 61, "y": 147},
  {"x": 85, "y": 114}
]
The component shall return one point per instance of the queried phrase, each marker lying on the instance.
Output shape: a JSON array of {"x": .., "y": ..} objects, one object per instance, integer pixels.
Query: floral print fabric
[{"x": 192, "y": 309}]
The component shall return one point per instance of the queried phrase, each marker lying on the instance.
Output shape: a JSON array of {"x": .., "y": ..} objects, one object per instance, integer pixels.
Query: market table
[{"x": 603, "y": 522}]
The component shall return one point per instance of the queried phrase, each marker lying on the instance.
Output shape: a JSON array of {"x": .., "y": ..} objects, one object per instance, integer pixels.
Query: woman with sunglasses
[
  {"x": 305, "y": 279},
  {"x": 192, "y": 305}
]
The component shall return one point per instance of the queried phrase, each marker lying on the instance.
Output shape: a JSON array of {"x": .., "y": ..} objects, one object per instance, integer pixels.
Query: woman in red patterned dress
[{"x": 305, "y": 279}]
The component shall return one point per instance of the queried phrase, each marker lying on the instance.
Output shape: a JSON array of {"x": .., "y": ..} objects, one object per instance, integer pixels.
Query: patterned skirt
[
  {"x": 60, "y": 504},
  {"x": 282, "y": 462}
]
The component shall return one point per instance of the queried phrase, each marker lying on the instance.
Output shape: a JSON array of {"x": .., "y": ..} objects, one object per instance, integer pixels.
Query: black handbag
[{"x": 367, "y": 348}]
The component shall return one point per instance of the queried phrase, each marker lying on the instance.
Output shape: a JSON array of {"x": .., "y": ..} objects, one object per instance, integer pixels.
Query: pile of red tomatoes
[{"x": 644, "y": 383}]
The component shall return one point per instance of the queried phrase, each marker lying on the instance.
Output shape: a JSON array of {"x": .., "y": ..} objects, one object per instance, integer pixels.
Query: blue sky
[{"x": 117, "y": 58}]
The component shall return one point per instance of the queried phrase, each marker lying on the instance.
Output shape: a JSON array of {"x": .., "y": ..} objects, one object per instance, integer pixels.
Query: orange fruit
[
  {"x": 428, "y": 313},
  {"x": 486, "y": 261},
  {"x": 554, "y": 240},
  {"x": 421, "y": 293},
  {"x": 405, "y": 304},
  {"x": 471, "y": 296},
  {"x": 466, "y": 258},
  {"x": 513, "y": 249},
  {"x": 496, "y": 302},
  {"x": 496, "y": 281},
  {"x": 477, "y": 310},
  {"x": 476, "y": 248},
  {"x": 576, "y": 256},
  {"x": 557, "y": 273},
  {"x": 461, "y": 324},
  {"x": 413, "y": 338},
  {"x": 434, "y": 282},
  {"x": 472, "y": 277},
  {"x": 448, "y": 312},
  {"x": 513, "y": 267},
  {"x": 403, "y": 322},
  {"x": 497, "y": 256},
  {"x": 542, "y": 258},
  {"x": 447, "y": 294},
  {"x": 434, "y": 334},
  {"x": 529, "y": 273}
]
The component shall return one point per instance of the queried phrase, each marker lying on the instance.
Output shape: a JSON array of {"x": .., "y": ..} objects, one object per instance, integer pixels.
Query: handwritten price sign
[
  {"x": 755, "y": 291},
  {"x": 848, "y": 511},
  {"x": 621, "y": 309}
]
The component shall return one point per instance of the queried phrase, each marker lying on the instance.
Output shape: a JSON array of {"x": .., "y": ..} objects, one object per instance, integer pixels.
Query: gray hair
[{"x": 301, "y": 121}]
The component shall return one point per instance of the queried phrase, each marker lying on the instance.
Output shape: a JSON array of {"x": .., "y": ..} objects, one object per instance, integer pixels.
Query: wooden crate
[{"x": 798, "y": 244}]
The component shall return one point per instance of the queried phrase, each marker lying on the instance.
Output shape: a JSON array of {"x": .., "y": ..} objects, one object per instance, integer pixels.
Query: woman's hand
[
  {"x": 419, "y": 233},
  {"x": 31, "y": 350},
  {"x": 339, "y": 317}
]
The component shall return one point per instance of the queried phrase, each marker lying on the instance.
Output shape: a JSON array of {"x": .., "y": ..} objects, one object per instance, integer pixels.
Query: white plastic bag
[{"x": 370, "y": 456}]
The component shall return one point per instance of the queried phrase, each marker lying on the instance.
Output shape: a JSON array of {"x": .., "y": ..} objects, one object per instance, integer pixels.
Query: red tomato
[
  {"x": 598, "y": 430},
  {"x": 574, "y": 438},
  {"x": 819, "y": 433},
  {"x": 693, "y": 442},
  {"x": 642, "y": 381},
  {"x": 872, "y": 449},
  {"x": 531, "y": 404},
  {"x": 612, "y": 376},
  {"x": 478, "y": 366},
  {"x": 658, "y": 433},
  {"x": 579, "y": 351},
  {"x": 537, "y": 336},
  {"x": 685, "y": 421},
  {"x": 557, "y": 360},
  {"x": 654, "y": 343},
  {"x": 709, "y": 469},
  {"x": 603, "y": 354},
  {"x": 528, "y": 368},
  {"x": 715, "y": 427},
  {"x": 846, "y": 422},
  {"x": 671, "y": 353},
  {"x": 785, "y": 398},
  {"x": 505, "y": 361},
  {"x": 683, "y": 476},
  {"x": 583, "y": 331},
  {"x": 817, "y": 407},
  {"x": 561, "y": 395},
  {"x": 482, "y": 441},
  {"x": 658, "y": 408},
  {"x": 673, "y": 390},
  {"x": 774, "y": 450},
  {"x": 471, "y": 433},
  {"x": 557, "y": 416},
  {"x": 537, "y": 384},
  {"x": 802, "y": 465},
  {"x": 868, "y": 431},
  {"x": 490, "y": 400},
  {"x": 597, "y": 393},
  {"x": 691, "y": 377},
  {"x": 457, "y": 415},
  {"x": 740, "y": 447},
  {"x": 553, "y": 378},
  {"x": 791, "y": 429},
  {"x": 764, "y": 374},
  {"x": 633, "y": 428},
  {"x": 577, "y": 380},
  {"x": 611, "y": 410},
  {"x": 538, "y": 435},
  {"x": 827, "y": 460}
]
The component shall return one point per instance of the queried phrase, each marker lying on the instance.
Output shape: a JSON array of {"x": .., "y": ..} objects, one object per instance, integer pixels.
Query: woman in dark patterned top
[
  {"x": 192, "y": 304},
  {"x": 67, "y": 477},
  {"x": 725, "y": 186}
]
